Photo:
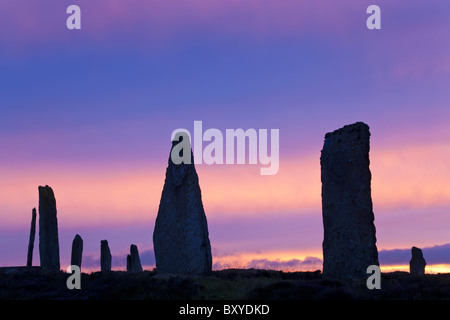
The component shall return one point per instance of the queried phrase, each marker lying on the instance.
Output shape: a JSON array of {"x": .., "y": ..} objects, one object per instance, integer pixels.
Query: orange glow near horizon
[
  {"x": 246, "y": 260},
  {"x": 429, "y": 269},
  {"x": 242, "y": 259}
]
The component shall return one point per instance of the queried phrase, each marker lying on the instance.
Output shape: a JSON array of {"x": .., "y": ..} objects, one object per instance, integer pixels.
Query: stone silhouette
[
  {"x": 48, "y": 230},
  {"x": 77, "y": 251},
  {"x": 32, "y": 237},
  {"x": 417, "y": 263},
  {"x": 133, "y": 260},
  {"x": 349, "y": 244},
  {"x": 128, "y": 262},
  {"x": 105, "y": 256},
  {"x": 180, "y": 238}
]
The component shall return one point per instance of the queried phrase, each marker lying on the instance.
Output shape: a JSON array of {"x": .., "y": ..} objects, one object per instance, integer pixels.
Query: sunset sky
[{"x": 90, "y": 113}]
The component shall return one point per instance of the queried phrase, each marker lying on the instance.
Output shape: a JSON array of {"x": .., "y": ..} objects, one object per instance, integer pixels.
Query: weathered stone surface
[
  {"x": 48, "y": 230},
  {"x": 31, "y": 239},
  {"x": 77, "y": 251},
  {"x": 180, "y": 238},
  {"x": 105, "y": 256},
  {"x": 135, "y": 261},
  {"x": 349, "y": 244},
  {"x": 417, "y": 263}
]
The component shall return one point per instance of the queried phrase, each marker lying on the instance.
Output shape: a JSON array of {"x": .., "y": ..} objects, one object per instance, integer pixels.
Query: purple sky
[{"x": 90, "y": 113}]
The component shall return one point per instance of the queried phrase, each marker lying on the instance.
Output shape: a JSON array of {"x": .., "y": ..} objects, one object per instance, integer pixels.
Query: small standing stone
[
  {"x": 417, "y": 263},
  {"x": 128, "y": 262},
  {"x": 32, "y": 236},
  {"x": 77, "y": 251},
  {"x": 48, "y": 230},
  {"x": 134, "y": 260},
  {"x": 105, "y": 256}
]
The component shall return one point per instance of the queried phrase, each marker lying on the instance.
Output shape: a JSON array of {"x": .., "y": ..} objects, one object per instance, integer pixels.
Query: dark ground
[{"x": 232, "y": 284}]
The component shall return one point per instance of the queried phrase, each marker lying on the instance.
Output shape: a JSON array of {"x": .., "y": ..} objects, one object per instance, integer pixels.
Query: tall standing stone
[
  {"x": 32, "y": 237},
  {"x": 105, "y": 256},
  {"x": 349, "y": 244},
  {"x": 77, "y": 251},
  {"x": 48, "y": 230},
  {"x": 133, "y": 260},
  {"x": 180, "y": 238},
  {"x": 417, "y": 263}
]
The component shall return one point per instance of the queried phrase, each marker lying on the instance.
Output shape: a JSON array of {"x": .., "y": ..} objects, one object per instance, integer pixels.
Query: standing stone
[
  {"x": 48, "y": 230},
  {"x": 105, "y": 256},
  {"x": 31, "y": 240},
  {"x": 417, "y": 263},
  {"x": 349, "y": 244},
  {"x": 77, "y": 251},
  {"x": 134, "y": 263},
  {"x": 180, "y": 238},
  {"x": 128, "y": 262}
]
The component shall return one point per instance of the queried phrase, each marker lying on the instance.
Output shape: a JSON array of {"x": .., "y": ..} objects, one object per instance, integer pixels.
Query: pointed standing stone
[
  {"x": 180, "y": 238},
  {"x": 77, "y": 251},
  {"x": 135, "y": 261},
  {"x": 31, "y": 240},
  {"x": 417, "y": 263},
  {"x": 48, "y": 230},
  {"x": 349, "y": 244},
  {"x": 105, "y": 256}
]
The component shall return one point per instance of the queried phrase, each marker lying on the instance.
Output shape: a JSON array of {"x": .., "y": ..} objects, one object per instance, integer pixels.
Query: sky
[{"x": 90, "y": 113}]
